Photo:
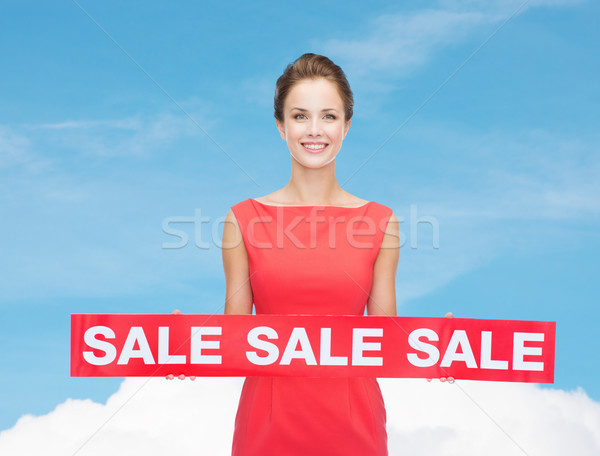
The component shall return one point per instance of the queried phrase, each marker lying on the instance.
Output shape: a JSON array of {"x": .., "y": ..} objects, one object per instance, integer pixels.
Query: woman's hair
[{"x": 312, "y": 66}]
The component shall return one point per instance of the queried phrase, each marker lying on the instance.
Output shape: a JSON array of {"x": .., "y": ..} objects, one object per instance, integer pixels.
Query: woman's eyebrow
[{"x": 322, "y": 110}]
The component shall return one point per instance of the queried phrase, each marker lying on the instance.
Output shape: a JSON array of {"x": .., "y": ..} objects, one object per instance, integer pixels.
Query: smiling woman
[
  {"x": 313, "y": 105},
  {"x": 314, "y": 125},
  {"x": 298, "y": 270}
]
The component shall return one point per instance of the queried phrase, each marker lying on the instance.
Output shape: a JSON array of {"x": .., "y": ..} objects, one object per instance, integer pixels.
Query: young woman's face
[{"x": 313, "y": 125}]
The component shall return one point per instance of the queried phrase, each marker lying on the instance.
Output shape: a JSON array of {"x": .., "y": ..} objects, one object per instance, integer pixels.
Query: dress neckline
[{"x": 333, "y": 207}]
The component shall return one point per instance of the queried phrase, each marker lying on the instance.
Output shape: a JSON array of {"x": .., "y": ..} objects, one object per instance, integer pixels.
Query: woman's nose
[{"x": 314, "y": 127}]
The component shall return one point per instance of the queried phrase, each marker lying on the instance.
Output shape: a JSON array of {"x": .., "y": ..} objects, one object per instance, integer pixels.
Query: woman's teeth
[{"x": 314, "y": 146}]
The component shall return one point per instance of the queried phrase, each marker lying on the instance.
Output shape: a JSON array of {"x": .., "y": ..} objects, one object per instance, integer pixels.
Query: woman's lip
[{"x": 314, "y": 151}]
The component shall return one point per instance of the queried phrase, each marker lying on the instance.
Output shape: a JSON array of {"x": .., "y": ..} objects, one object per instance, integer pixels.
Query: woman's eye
[
  {"x": 330, "y": 116},
  {"x": 298, "y": 116}
]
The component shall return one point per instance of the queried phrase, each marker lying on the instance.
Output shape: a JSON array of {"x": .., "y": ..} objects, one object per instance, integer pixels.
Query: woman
[{"x": 311, "y": 248}]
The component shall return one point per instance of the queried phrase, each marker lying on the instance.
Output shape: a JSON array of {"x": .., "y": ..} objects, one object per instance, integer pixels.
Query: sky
[{"x": 475, "y": 121}]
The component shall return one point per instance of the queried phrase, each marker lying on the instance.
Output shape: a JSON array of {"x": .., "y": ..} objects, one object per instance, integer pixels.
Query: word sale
[{"x": 302, "y": 345}]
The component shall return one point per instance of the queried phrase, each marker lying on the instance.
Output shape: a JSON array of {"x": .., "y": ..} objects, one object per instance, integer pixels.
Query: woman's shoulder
[{"x": 239, "y": 210}]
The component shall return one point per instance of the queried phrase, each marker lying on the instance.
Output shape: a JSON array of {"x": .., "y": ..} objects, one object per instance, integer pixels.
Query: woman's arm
[
  {"x": 238, "y": 292},
  {"x": 382, "y": 299}
]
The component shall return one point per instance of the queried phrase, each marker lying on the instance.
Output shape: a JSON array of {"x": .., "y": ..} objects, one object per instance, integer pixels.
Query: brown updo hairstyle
[{"x": 312, "y": 66}]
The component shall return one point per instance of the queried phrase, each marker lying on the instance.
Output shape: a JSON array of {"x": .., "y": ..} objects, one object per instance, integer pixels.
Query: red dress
[{"x": 311, "y": 260}]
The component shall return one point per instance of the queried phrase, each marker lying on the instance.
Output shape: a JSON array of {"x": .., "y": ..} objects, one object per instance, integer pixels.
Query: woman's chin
[{"x": 313, "y": 162}]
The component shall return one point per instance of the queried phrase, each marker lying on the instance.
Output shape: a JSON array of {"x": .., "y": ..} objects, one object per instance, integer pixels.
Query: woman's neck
[{"x": 309, "y": 186}]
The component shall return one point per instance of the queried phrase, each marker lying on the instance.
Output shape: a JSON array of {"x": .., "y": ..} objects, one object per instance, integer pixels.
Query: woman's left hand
[{"x": 180, "y": 377}]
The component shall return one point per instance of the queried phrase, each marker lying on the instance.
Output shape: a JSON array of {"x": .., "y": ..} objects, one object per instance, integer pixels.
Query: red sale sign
[{"x": 312, "y": 346}]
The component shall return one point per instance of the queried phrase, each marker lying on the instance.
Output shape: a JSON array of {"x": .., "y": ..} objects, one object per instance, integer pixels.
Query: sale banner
[{"x": 312, "y": 346}]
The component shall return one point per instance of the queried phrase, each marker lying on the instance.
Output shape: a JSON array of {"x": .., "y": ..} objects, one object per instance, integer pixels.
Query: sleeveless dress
[{"x": 315, "y": 260}]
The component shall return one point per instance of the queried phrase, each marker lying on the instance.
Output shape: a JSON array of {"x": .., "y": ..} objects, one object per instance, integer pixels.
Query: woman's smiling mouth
[{"x": 314, "y": 147}]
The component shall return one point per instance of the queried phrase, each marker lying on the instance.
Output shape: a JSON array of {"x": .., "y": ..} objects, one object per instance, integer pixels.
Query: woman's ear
[
  {"x": 281, "y": 128},
  {"x": 347, "y": 127}
]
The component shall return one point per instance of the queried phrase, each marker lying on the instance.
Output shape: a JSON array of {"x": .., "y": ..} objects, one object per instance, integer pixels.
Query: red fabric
[{"x": 315, "y": 260}]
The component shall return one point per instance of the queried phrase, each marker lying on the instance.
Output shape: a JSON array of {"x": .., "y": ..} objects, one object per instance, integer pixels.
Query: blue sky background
[{"x": 96, "y": 153}]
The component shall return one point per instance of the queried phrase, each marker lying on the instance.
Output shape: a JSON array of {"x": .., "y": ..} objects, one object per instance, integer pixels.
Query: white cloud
[
  {"x": 15, "y": 151},
  {"x": 527, "y": 175},
  {"x": 191, "y": 418},
  {"x": 130, "y": 123},
  {"x": 162, "y": 417},
  {"x": 501, "y": 417},
  {"x": 520, "y": 191},
  {"x": 12, "y": 147},
  {"x": 503, "y": 6},
  {"x": 128, "y": 136},
  {"x": 404, "y": 41},
  {"x": 86, "y": 202}
]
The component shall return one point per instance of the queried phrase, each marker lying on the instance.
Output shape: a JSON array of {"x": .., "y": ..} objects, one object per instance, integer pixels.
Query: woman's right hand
[{"x": 180, "y": 377}]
